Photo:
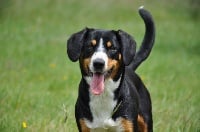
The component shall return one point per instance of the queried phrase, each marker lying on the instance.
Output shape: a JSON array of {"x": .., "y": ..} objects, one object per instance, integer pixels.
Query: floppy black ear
[
  {"x": 128, "y": 46},
  {"x": 75, "y": 43}
]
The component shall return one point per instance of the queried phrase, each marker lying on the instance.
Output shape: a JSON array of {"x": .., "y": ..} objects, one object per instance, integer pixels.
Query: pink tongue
[{"x": 97, "y": 84}]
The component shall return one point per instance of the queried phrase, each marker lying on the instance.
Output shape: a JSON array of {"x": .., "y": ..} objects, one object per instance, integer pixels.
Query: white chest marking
[{"x": 102, "y": 106}]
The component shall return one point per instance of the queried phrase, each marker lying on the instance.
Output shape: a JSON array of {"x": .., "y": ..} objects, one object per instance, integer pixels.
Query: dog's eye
[
  {"x": 112, "y": 52},
  {"x": 112, "y": 48},
  {"x": 89, "y": 49}
]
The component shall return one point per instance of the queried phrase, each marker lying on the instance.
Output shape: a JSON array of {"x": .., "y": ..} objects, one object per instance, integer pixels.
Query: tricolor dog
[{"x": 111, "y": 95}]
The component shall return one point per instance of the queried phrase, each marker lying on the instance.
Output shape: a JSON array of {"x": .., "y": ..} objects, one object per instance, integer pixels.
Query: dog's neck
[{"x": 103, "y": 105}]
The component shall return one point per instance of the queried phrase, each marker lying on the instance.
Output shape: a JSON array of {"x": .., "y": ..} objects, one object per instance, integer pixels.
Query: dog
[{"x": 111, "y": 96}]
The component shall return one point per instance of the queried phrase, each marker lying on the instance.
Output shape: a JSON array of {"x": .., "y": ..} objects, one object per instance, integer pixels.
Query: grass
[{"x": 38, "y": 83}]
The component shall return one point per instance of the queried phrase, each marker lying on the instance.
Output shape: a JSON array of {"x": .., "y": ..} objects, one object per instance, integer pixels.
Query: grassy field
[{"x": 38, "y": 83}]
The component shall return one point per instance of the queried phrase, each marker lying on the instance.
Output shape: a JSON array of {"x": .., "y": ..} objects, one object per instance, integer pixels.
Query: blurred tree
[
  {"x": 3, "y": 5},
  {"x": 195, "y": 9}
]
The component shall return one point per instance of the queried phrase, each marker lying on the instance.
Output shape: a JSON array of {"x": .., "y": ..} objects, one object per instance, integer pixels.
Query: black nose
[{"x": 98, "y": 64}]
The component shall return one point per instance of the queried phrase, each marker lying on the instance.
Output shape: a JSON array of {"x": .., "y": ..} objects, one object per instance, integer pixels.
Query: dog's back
[{"x": 145, "y": 108}]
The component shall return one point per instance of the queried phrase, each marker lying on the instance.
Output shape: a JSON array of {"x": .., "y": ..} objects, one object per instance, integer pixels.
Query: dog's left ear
[
  {"x": 128, "y": 46},
  {"x": 75, "y": 43}
]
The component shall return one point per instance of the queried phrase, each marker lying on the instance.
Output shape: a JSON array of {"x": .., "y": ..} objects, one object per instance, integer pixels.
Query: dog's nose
[{"x": 98, "y": 64}]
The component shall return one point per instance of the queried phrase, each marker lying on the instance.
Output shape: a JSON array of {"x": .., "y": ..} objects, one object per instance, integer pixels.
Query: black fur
[
  {"x": 128, "y": 46},
  {"x": 148, "y": 41},
  {"x": 75, "y": 43},
  {"x": 131, "y": 93}
]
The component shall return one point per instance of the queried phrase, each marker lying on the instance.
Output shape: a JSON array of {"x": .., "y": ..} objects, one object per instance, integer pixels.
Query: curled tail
[{"x": 148, "y": 39}]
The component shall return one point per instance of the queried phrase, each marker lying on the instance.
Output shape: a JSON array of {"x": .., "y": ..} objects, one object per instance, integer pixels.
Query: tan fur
[
  {"x": 94, "y": 42},
  {"x": 127, "y": 125},
  {"x": 142, "y": 126},
  {"x": 86, "y": 63},
  {"x": 115, "y": 64},
  {"x": 83, "y": 126},
  {"x": 108, "y": 44},
  {"x": 120, "y": 56}
]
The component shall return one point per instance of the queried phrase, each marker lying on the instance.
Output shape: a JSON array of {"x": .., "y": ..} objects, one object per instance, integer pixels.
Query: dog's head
[{"x": 102, "y": 54}]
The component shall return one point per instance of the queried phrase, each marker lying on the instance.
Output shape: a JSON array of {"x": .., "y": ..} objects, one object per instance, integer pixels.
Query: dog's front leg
[
  {"x": 83, "y": 127},
  {"x": 128, "y": 126}
]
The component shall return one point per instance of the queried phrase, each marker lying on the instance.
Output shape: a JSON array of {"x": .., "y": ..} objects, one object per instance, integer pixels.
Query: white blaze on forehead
[
  {"x": 99, "y": 54},
  {"x": 101, "y": 47}
]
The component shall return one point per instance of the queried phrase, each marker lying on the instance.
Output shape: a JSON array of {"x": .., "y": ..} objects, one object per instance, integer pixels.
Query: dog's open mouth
[{"x": 97, "y": 82}]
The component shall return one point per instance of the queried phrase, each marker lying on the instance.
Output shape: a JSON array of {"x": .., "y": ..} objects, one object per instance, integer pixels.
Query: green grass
[{"x": 38, "y": 83}]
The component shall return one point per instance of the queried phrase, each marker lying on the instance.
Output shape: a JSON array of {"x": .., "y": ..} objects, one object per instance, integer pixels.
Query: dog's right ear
[
  {"x": 128, "y": 46},
  {"x": 75, "y": 43}
]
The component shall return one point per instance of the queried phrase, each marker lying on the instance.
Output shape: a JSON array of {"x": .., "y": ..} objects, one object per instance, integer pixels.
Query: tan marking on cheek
[
  {"x": 94, "y": 42},
  {"x": 120, "y": 56},
  {"x": 85, "y": 64},
  {"x": 115, "y": 65},
  {"x": 108, "y": 44},
  {"x": 83, "y": 126},
  {"x": 142, "y": 126},
  {"x": 127, "y": 125}
]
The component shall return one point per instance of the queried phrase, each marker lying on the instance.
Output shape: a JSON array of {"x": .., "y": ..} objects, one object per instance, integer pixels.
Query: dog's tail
[{"x": 148, "y": 40}]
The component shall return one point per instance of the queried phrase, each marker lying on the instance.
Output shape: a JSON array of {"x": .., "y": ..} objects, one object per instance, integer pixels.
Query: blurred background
[{"x": 38, "y": 83}]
